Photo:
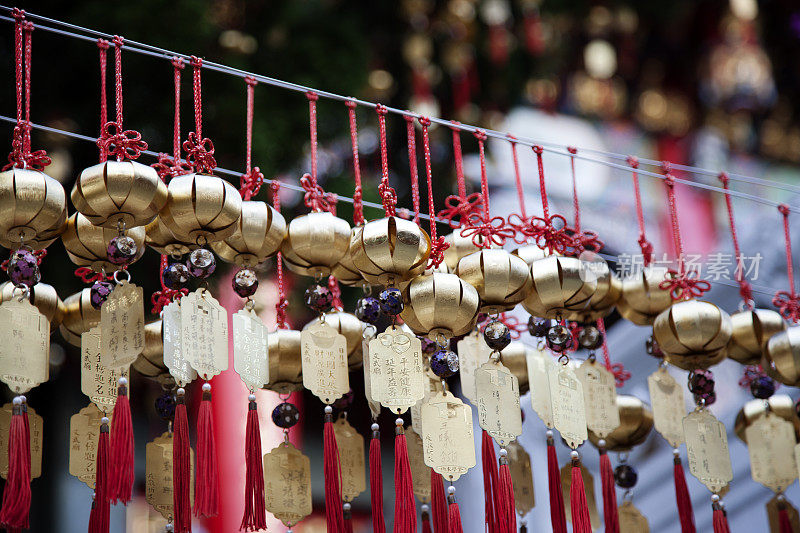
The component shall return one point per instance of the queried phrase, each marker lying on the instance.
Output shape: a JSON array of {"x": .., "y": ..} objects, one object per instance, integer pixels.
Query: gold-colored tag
[
  {"x": 539, "y": 364},
  {"x": 98, "y": 381},
  {"x": 707, "y": 449},
  {"x": 25, "y": 346},
  {"x": 420, "y": 472},
  {"x": 498, "y": 402},
  {"x": 122, "y": 326},
  {"x": 396, "y": 373},
  {"x": 84, "y": 430},
  {"x": 519, "y": 464},
  {"x": 599, "y": 398},
  {"x": 158, "y": 475},
  {"x": 669, "y": 408},
  {"x": 351, "y": 459},
  {"x": 374, "y": 407},
  {"x": 432, "y": 387},
  {"x": 566, "y": 399},
  {"x": 588, "y": 485},
  {"x": 174, "y": 355},
  {"x": 472, "y": 352},
  {"x": 631, "y": 520},
  {"x": 287, "y": 480},
  {"x": 771, "y": 441},
  {"x": 204, "y": 333},
  {"x": 772, "y": 515},
  {"x": 324, "y": 358},
  {"x": 448, "y": 439},
  {"x": 37, "y": 434},
  {"x": 250, "y": 355}
]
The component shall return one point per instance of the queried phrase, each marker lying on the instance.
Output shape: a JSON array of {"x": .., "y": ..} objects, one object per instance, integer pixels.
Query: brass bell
[
  {"x": 779, "y": 404},
  {"x": 258, "y": 235},
  {"x": 530, "y": 253},
  {"x": 781, "y": 358},
  {"x": 87, "y": 245},
  {"x": 459, "y": 247},
  {"x": 352, "y": 328},
  {"x": 345, "y": 270},
  {"x": 502, "y": 279},
  {"x": 150, "y": 362},
  {"x": 390, "y": 250},
  {"x": 79, "y": 316},
  {"x": 560, "y": 284},
  {"x": 119, "y": 192},
  {"x": 751, "y": 331},
  {"x": 33, "y": 208},
  {"x": 42, "y": 296},
  {"x": 605, "y": 297},
  {"x": 440, "y": 304},
  {"x": 315, "y": 243},
  {"x": 642, "y": 299},
  {"x": 693, "y": 334},
  {"x": 285, "y": 363},
  {"x": 201, "y": 208},
  {"x": 635, "y": 423},
  {"x": 161, "y": 239},
  {"x": 514, "y": 357}
]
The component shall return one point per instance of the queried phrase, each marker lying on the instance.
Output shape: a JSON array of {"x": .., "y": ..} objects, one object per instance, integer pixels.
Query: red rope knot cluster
[
  {"x": 438, "y": 246},
  {"x": 165, "y": 296},
  {"x": 549, "y": 233},
  {"x": 487, "y": 233},
  {"x": 459, "y": 210},
  {"x": 168, "y": 167},
  {"x": 684, "y": 285},
  {"x": 21, "y": 155},
  {"x": 122, "y": 144},
  {"x": 280, "y": 313},
  {"x": 620, "y": 374},
  {"x": 788, "y": 305},
  {"x": 387, "y": 193},
  {"x": 587, "y": 241},
  {"x": 87, "y": 275},
  {"x": 750, "y": 374},
  {"x": 200, "y": 153},
  {"x": 315, "y": 196},
  {"x": 644, "y": 245},
  {"x": 250, "y": 183}
]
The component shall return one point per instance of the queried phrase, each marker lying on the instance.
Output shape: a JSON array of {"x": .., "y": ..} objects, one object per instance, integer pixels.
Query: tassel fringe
[
  {"x": 99, "y": 518},
  {"x": 376, "y": 481},
  {"x": 581, "y": 523},
  {"x": 122, "y": 447},
  {"x": 181, "y": 466},
  {"x": 610, "y": 514},
  {"x": 489, "y": 464},
  {"x": 405, "y": 507},
  {"x": 331, "y": 469},
  {"x": 506, "y": 510},
  {"x": 206, "y": 485},
  {"x": 453, "y": 513},
  {"x": 255, "y": 514},
  {"x": 558, "y": 517},
  {"x": 17, "y": 492},
  {"x": 682, "y": 498},
  {"x": 439, "y": 504}
]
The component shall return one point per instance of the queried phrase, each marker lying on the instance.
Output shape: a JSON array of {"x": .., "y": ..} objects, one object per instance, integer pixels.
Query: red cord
[
  {"x": 460, "y": 208},
  {"x": 617, "y": 369},
  {"x": 166, "y": 165},
  {"x": 745, "y": 290},
  {"x": 518, "y": 177},
  {"x": 358, "y": 204},
  {"x": 388, "y": 194},
  {"x": 538, "y": 150},
  {"x": 788, "y": 303},
  {"x": 481, "y": 136},
  {"x": 250, "y": 182},
  {"x": 102, "y": 47},
  {"x": 459, "y": 161},
  {"x": 438, "y": 246},
  {"x": 412, "y": 165},
  {"x": 118, "y": 42},
  {"x": 572, "y": 151},
  {"x": 280, "y": 307},
  {"x": 645, "y": 245},
  {"x": 312, "y": 126},
  {"x": 199, "y": 149},
  {"x": 197, "y": 94}
]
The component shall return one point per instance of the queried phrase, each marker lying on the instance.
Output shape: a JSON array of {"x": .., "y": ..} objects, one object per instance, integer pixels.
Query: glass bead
[
  {"x": 285, "y": 415},
  {"x": 444, "y": 363},
  {"x": 165, "y": 406},
  {"x": 701, "y": 382},
  {"x": 497, "y": 335},
  {"x": 391, "y": 301},
  {"x": 23, "y": 268},
  {"x": 625, "y": 476},
  {"x": 559, "y": 338},
  {"x": 175, "y": 276},
  {"x": 99, "y": 292},
  {"x": 653, "y": 349},
  {"x": 590, "y": 338},
  {"x": 538, "y": 327},
  {"x": 319, "y": 298},
  {"x": 368, "y": 310},
  {"x": 201, "y": 263},
  {"x": 245, "y": 283},
  {"x": 762, "y": 387},
  {"x": 121, "y": 250}
]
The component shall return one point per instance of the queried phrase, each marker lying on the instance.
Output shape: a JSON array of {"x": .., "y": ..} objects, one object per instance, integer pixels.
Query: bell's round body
[
  {"x": 42, "y": 296},
  {"x": 315, "y": 243},
  {"x": 87, "y": 245},
  {"x": 782, "y": 356},
  {"x": 459, "y": 247},
  {"x": 560, "y": 285},
  {"x": 150, "y": 362},
  {"x": 693, "y": 334},
  {"x": 117, "y": 193},
  {"x": 514, "y": 357},
  {"x": 605, "y": 297},
  {"x": 779, "y": 404},
  {"x": 440, "y": 304},
  {"x": 352, "y": 328},
  {"x": 641, "y": 299},
  {"x": 751, "y": 331},
  {"x": 530, "y": 253},
  {"x": 635, "y": 423},
  {"x": 201, "y": 208},
  {"x": 79, "y": 316},
  {"x": 345, "y": 270},
  {"x": 161, "y": 239},
  {"x": 390, "y": 251},
  {"x": 502, "y": 279},
  {"x": 285, "y": 363},
  {"x": 33, "y": 208},
  {"x": 258, "y": 235}
]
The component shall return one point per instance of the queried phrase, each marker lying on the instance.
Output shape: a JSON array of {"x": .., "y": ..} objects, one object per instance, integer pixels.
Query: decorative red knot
[
  {"x": 587, "y": 241},
  {"x": 424, "y": 121},
  {"x": 38, "y": 254},
  {"x": 200, "y": 153},
  {"x": 457, "y": 211},
  {"x": 20, "y": 157},
  {"x": 487, "y": 233},
  {"x": 167, "y": 167},
  {"x": 280, "y": 311},
  {"x": 511, "y": 138},
  {"x": 438, "y": 246},
  {"x": 620, "y": 374},
  {"x": 669, "y": 180},
  {"x": 351, "y": 103},
  {"x": 455, "y": 125},
  {"x": 519, "y": 225},
  {"x": 102, "y": 44},
  {"x": 750, "y": 374},
  {"x": 18, "y": 14},
  {"x": 165, "y": 296},
  {"x": 788, "y": 305},
  {"x": 381, "y": 109},
  {"x": 646, "y": 246},
  {"x": 746, "y": 292},
  {"x": 87, "y": 275},
  {"x": 250, "y": 183},
  {"x": 538, "y": 150},
  {"x": 723, "y": 177},
  {"x": 666, "y": 166},
  {"x": 124, "y": 145},
  {"x": 311, "y": 95},
  {"x": 572, "y": 150},
  {"x": 684, "y": 285},
  {"x": 480, "y": 135},
  {"x": 315, "y": 196},
  {"x": 550, "y": 233},
  {"x": 388, "y": 197},
  {"x": 632, "y": 161}
]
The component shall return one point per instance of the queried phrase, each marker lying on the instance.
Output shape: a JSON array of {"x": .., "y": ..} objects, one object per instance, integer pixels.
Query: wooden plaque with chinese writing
[
  {"x": 519, "y": 464},
  {"x": 588, "y": 484},
  {"x": 287, "y": 480},
  {"x": 98, "y": 381},
  {"x": 566, "y": 398},
  {"x": 538, "y": 376},
  {"x": 669, "y": 409},
  {"x": 396, "y": 372},
  {"x": 25, "y": 350},
  {"x": 37, "y": 433},
  {"x": 707, "y": 449},
  {"x": 770, "y": 442},
  {"x": 250, "y": 355},
  {"x": 324, "y": 358},
  {"x": 498, "y": 402},
  {"x": 351, "y": 459},
  {"x": 158, "y": 475},
  {"x": 631, "y": 520},
  {"x": 204, "y": 333},
  {"x": 174, "y": 355},
  {"x": 84, "y": 430},
  {"x": 420, "y": 472},
  {"x": 599, "y": 398},
  {"x": 122, "y": 326},
  {"x": 374, "y": 407},
  {"x": 448, "y": 438},
  {"x": 472, "y": 353}
]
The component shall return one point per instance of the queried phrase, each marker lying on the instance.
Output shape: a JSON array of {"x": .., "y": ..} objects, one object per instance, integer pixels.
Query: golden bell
[
  {"x": 530, "y": 253},
  {"x": 635, "y": 423},
  {"x": 440, "y": 304},
  {"x": 514, "y": 357},
  {"x": 33, "y": 208},
  {"x": 352, "y": 328},
  {"x": 258, "y": 235},
  {"x": 119, "y": 192},
  {"x": 502, "y": 279},
  {"x": 459, "y": 247},
  {"x": 150, "y": 362},
  {"x": 607, "y": 294},
  {"x": 782, "y": 357},
  {"x": 201, "y": 208},
  {"x": 285, "y": 363},
  {"x": 642, "y": 299},
  {"x": 390, "y": 250},
  {"x": 79, "y": 316},
  {"x": 779, "y": 404},
  {"x": 693, "y": 334},
  {"x": 345, "y": 270},
  {"x": 751, "y": 331},
  {"x": 560, "y": 284},
  {"x": 315, "y": 243},
  {"x": 42, "y": 296},
  {"x": 161, "y": 239},
  {"x": 87, "y": 245}
]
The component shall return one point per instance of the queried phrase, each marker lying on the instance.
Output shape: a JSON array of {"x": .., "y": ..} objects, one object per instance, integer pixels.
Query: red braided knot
[
  {"x": 549, "y": 232},
  {"x": 167, "y": 167},
  {"x": 459, "y": 210},
  {"x": 122, "y": 144},
  {"x": 684, "y": 285},
  {"x": 250, "y": 183},
  {"x": 200, "y": 153},
  {"x": 315, "y": 196},
  {"x": 21, "y": 156},
  {"x": 87, "y": 275},
  {"x": 487, "y": 233},
  {"x": 788, "y": 305},
  {"x": 165, "y": 296}
]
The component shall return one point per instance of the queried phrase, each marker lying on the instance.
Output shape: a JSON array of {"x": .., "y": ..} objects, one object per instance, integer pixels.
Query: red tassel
[
  {"x": 610, "y": 514},
  {"x": 376, "y": 481},
  {"x": 489, "y": 461},
  {"x": 454, "y": 515},
  {"x": 347, "y": 516},
  {"x": 99, "y": 519},
  {"x": 181, "y": 466},
  {"x": 557, "y": 513},
  {"x": 206, "y": 484},
  {"x": 426, "y": 519},
  {"x": 17, "y": 494},
  {"x": 720, "y": 521},
  {"x": 784, "y": 524},
  {"x": 255, "y": 514},
  {"x": 581, "y": 523},
  {"x": 506, "y": 510},
  {"x": 438, "y": 504},
  {"x": 333, "y": 484},
  {"x": 122, "y": 450},
  {"x": 405, "y": 507},
  {"x": 682, "y": 498}
]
